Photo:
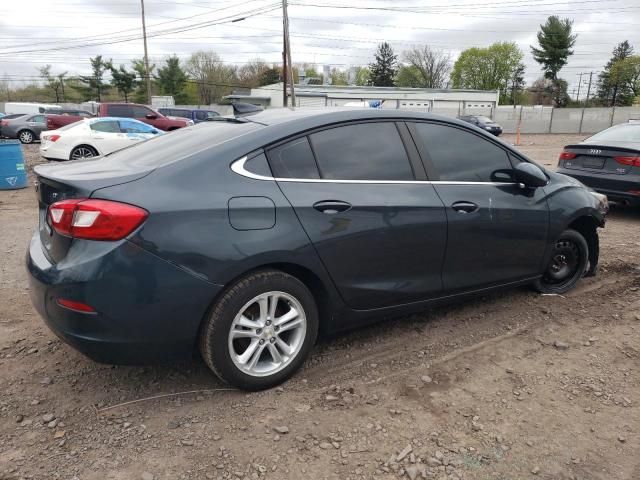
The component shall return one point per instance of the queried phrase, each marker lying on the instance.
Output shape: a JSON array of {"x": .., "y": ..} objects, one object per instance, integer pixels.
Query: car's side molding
[{"x": 238, "y": 167}]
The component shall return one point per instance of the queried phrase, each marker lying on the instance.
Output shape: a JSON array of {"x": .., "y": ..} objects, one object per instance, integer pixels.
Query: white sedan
[{"x": 94, "y": 137}]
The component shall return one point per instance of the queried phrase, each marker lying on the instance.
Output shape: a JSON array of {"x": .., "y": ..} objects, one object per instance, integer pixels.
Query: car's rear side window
[
  {"x": 365, "y": 151},
  {"x": 108, "y": 126},
  {"x": 119, "y": 111},
  {"x": 458, "y": 155},
  {"x": 293, "y": 159}
]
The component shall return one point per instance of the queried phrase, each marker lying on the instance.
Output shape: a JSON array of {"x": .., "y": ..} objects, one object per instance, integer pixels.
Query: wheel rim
[
  {"x": 564, "y": 264},
  {"x": 267, "y": 334},
  {"x": 81, "y": 152},
  {"x": 26, "y": 137}
]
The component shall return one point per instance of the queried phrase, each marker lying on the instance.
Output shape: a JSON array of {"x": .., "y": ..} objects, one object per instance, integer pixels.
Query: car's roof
[{"x": 329, "y": 115}]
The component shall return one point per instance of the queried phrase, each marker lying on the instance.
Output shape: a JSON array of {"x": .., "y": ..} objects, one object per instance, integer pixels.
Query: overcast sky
[{"x": 65, "y": 33}]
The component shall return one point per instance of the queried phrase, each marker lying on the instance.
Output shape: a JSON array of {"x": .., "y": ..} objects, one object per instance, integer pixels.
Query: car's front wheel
[
  {"x": 568, "y": 263},
  {"x": 260, "y": 331}
]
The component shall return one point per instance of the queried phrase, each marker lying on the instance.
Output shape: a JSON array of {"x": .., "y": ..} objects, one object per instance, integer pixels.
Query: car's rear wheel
[
  {"x": 26, "y": 136},
  {"x": 83, "y": 151},
  {"x": 568, "y": 262},
  {"x": 260, "y": 331}
]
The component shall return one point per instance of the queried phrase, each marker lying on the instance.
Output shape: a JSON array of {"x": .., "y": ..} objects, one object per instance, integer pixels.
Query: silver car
[{"x": 25, "y": 128}]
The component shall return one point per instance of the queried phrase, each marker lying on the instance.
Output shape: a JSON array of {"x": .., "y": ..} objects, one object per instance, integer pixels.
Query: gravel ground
[{"x": 511, "y": 386}]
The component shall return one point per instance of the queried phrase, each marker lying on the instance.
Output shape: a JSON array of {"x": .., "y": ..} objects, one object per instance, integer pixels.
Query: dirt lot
[{"x": 512, "y": 386}]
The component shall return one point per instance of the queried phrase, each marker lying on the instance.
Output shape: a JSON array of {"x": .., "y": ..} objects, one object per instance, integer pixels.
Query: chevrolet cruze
[{"x": 244, "y": 238}]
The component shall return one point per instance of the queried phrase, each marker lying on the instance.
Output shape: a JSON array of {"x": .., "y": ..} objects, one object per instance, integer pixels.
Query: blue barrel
[{"x": 13, "y": 173}]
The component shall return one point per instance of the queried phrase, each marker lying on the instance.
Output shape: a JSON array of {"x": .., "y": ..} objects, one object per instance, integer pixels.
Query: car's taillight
[
  {"x": 3, "y": 123},
  {"x": 52, "y": 138},
  {"x": 94, "y": 219},
  {"x": 75, "y": 306},
  {"x": 564, "y": 155},
  {"x": 633, "y": 161}
]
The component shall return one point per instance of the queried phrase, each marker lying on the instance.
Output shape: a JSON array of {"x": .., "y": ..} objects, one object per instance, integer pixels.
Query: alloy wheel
[
  {"x": 80, "y": 153},
  {"x": 26, "y": 136},
  {"x": 267, "y": 333}
]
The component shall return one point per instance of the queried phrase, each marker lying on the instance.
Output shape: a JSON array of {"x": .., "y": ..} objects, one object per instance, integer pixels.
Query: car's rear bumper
[
  {"x": 615, "y": 187},
  {"x": 147, "y": 310}
]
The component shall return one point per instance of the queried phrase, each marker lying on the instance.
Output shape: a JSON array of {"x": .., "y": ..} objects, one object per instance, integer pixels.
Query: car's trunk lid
[
  {"x": 74, "y": 180},
  {"x": 609, "y": 159}
]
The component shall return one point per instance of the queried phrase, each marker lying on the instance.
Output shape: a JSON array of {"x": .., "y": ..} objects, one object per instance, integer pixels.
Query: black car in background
[
  {"x": 485, "y": 123},
  {"x": 608, "y": 162},
  {"x": 196, "y": 115},
  {"x": 245, "y": 237}
]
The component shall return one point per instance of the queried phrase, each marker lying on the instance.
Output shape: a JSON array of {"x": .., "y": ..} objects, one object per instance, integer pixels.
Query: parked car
[
  {"x": 26, "y": 108},
  {"x": 608, "y": 162},
  {"x": 94, "y": 137},
  {"x": 485, "y": 123},
  {"x": 69, "y": 111},
  {"x": 123, "y": 110},
  {"x": 26, "y": 128},
  {"x": 244, "y": 237},
  {"x": 196, "y": 115},
  {"x": 5, "y": 120}
]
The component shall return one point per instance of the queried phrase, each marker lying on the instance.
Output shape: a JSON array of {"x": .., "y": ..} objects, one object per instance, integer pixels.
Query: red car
[{"x": 124, "y": 110}]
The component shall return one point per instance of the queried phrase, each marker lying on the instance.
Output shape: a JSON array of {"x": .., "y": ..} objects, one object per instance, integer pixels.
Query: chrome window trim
[{"x": 238, "y": 167}]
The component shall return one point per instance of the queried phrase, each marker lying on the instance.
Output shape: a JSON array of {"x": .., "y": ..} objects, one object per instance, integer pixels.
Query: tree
[
  {"x": 339, "y": 77},
  {"x": 409, "y": 76},
  {"x": 359, "y": 76},
  {"x": 550, "y": 92},
  {"x": 431, "y": 66},
  {"x": 172, "y": 79},
  {"x": 92, "y": 87},
  {"x": 614, "y": 87},
  {"x": 140, "y": 95},
  {"x": 555, "y": 40},
  {"x": 213, "y": 77},
  {"x": 489, "y": 68},
  {"x": 55, "y": 84},
  {"x": 270, "y": 76},
  {"x": 125, "y": 82},
  {"x": 516, "y": 84},
  {"x": 251, "y": 73},
  {"x": 383, "y": 71}
]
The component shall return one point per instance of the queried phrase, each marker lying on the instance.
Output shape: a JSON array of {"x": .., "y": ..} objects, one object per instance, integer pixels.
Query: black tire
[
  {"x": 89, "y": 149},
  {"x": 567, "y": 264},
  {"x": 214, "y": 335},
  {"x": 26, "y": 136}
]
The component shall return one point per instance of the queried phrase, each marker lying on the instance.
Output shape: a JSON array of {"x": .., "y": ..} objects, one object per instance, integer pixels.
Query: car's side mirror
[
  {"x": 151, "y": 116},
  {"x": 530, "y": 175},
  {"x": 155, "y": 132}
]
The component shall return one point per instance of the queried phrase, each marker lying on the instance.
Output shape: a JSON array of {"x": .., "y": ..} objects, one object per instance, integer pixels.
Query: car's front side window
[
  {"x": 365, "y": 151},
  {"x": 458, "y": 155}
]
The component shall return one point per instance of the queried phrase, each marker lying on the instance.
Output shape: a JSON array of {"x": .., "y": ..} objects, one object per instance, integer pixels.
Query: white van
[{"x": 27, "y": 108}]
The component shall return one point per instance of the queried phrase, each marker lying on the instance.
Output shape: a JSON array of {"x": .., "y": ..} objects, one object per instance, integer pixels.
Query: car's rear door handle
[
  {"x": 331, "y": 207},
  {"x": 465, "y": 207}
]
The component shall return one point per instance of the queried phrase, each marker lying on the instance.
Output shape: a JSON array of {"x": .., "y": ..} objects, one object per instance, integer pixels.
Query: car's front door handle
[
  {"x": 465, "y": 207},
  {"x": 331, "y": 207}
]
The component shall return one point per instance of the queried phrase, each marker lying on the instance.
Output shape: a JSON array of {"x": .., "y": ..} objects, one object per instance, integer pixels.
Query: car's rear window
[
  {"x": 181, "y": 143},
  {"x": 619, "y": 133}
]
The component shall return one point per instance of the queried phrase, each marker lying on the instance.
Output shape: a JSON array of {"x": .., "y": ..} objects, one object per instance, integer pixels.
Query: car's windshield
[{"x": 619, "y": 133}]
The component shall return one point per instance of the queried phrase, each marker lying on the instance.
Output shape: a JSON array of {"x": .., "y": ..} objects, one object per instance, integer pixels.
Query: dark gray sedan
[
  {"x": 26, "y": 128},
  {"x": 608, "y": 162},
  {"x": 245, "y": 237}
]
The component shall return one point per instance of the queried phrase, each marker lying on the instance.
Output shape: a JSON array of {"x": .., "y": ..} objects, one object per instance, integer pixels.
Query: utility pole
[
  {"x": 287, "y": 44},
  {"x": 579, "y": 83},
  {"x": 585, "y": 102},
  {"x": 285, "y": 97},
  {"x": 146, "y": 55}
]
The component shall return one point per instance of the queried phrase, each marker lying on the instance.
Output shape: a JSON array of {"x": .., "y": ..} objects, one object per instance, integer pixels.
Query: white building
[{"x": 451, "y": 101}]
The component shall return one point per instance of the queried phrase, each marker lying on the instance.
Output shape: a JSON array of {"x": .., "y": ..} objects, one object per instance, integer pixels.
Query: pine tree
[
  {"x": 172, "y": 79},
  {"x": 555, "y": 40},
  {"x": 124, "y": 81},
  {"x": 613, "y": 90},
  {"x": 383, "y": 71},
  {"x": 94, "y": 85}
]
